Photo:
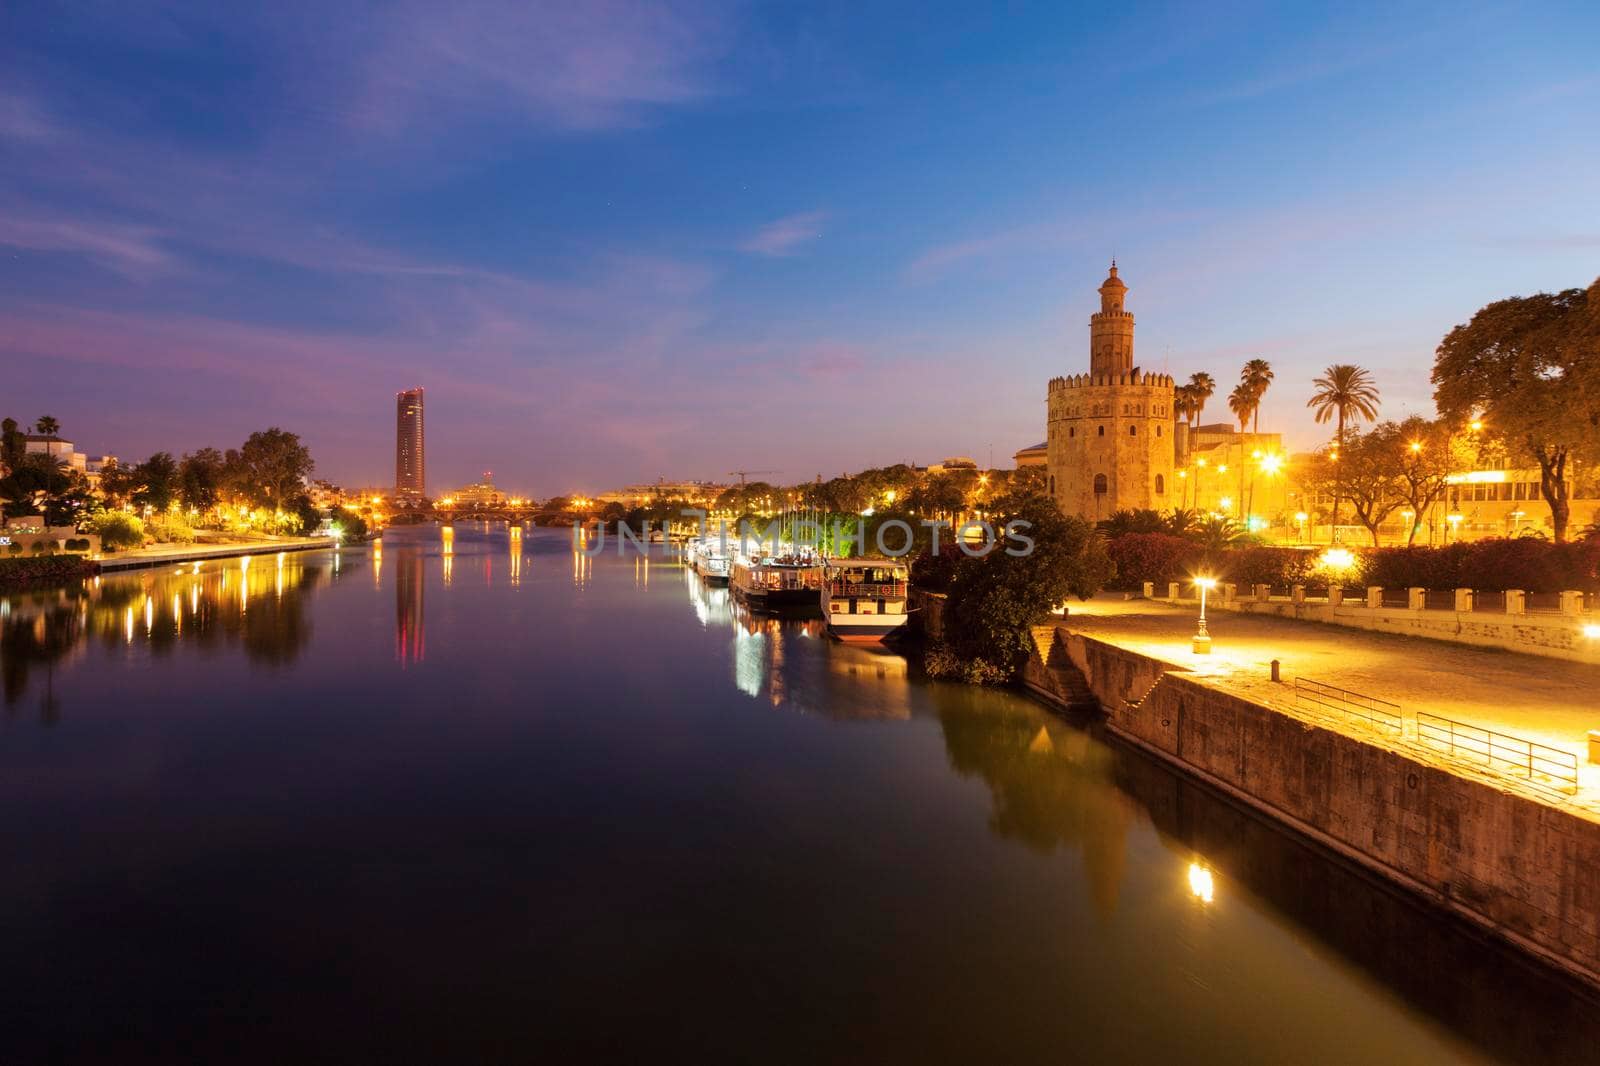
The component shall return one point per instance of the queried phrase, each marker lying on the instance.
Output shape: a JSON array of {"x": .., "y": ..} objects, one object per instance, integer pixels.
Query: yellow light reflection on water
[{"x": 1201, "y": 883}]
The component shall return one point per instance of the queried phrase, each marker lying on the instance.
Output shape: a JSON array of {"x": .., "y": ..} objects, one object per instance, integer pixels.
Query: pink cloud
[
  {"x": 574, "y": 66},
  {"x": 785, "y": 235}
]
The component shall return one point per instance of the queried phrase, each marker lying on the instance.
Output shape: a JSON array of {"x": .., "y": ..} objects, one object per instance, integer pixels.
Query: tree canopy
[{"x": 1528, "y": 368}]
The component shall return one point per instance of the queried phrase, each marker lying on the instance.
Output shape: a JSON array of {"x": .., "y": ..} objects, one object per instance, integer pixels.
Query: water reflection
[
  {"x": 410, "y": 629},
  {"x": 240, "y": 603},
  {"x": 1050, "y": 785}
]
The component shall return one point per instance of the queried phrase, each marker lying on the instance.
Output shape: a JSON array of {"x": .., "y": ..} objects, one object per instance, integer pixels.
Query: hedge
[
  {"x": 1526, "y": 563},
  {"x": 18, "y": 573}
]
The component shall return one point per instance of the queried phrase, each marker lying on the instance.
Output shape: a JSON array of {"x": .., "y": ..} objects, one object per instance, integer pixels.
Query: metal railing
[
  {"x": 1514, "y": 756},
  {"x": 1380, "y": 714},
  {"x": 1543, "y": 601},
  {"x": 1489, "y": 600}
]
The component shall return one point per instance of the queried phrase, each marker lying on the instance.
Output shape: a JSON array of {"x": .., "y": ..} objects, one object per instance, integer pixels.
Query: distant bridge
[{"x": 528, "y": 515}]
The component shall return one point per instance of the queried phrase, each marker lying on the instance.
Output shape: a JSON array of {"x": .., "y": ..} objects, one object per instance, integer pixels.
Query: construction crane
[{"x": 740, "y": 474}]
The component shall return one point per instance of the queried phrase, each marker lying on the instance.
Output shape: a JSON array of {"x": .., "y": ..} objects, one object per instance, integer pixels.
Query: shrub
[
  {"x": 1156, "y": 557},
  {"x": 43, "y": 571},
  {"x": 1258, "y": 565},
  {"x": 1526, "y": 563},
  {"x": 169, "y": 529},
  {"x": 935, "y": 572},
  {"x": 942, "y": 663},
  {"x": 15, "y": 548},
  {"x": 119, "y": 530}
]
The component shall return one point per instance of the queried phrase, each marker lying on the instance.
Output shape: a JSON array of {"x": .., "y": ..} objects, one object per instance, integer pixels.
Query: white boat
[
  {"x": 864, "y": 600},
  {"x": 786, "y": 577},
  {"x": 709, "y": 558}
]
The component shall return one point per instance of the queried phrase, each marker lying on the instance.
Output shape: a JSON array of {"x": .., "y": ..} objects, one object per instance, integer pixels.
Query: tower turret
[{"x": 1111, "y": 330}]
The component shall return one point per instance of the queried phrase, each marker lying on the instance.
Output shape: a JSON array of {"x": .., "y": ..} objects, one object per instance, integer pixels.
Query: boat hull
[{"x": 865, "y": 629}]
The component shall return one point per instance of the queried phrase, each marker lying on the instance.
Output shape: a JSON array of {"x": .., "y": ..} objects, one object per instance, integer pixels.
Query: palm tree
[
  {"x": 1256, "y": 375},
  {"x": 47, "y": 426},
  {"x": 1345, "y": 391},
  {"x": 1242, "y": 402},
  {"x": 1201, "y": 386}
]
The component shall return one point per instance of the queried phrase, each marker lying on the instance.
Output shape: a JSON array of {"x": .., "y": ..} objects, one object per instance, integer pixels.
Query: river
[{"x": 514, "y": 804}]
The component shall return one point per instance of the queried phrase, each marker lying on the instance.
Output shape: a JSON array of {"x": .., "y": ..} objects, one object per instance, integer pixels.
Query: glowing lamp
[{"x": 1202, "y": 639}]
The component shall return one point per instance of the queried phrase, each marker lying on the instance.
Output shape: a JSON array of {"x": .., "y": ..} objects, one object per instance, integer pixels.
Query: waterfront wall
[{"x": 1527, "y": 870}]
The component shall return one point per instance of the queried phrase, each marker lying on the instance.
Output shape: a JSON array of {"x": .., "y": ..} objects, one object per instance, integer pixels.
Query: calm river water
[{"x": 513, "y": 805}]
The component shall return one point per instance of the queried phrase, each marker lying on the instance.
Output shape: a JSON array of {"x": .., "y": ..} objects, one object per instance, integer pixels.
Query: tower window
[
  {"x": 1099, "y": 484},
  {"x": 1102, "y": 431},
  {"x": 1072, "y": 431},
  {"x": 1133, "y": 431},
  {"x": 1158, "y": 431},
  {"x": 1052, "y": 484},
  {"x": 1161, "y": 485}
]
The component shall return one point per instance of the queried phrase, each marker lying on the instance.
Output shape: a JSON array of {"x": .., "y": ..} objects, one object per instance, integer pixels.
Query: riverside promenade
[
  {"x": 1457, "y": 773},
  {"x": 173, "y": 554},
  {"x": 1554, "y": 703}
]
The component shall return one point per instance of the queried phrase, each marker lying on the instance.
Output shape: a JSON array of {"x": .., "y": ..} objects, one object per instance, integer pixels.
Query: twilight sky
[{"x": 621, "y": 240}]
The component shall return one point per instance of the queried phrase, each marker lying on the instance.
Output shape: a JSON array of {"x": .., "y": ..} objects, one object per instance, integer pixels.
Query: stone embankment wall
[{"x": 1527, "y": 870}]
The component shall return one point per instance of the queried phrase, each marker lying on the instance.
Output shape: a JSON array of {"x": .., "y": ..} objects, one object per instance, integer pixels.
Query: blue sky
[{"x": 617, "y": 241}]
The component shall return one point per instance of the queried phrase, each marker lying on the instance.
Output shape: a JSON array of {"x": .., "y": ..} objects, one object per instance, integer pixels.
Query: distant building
[
  {"x": 1227, "y": 472},
  {"x": 479, "y": 494},
  {"x": 54, "y": 446},
  {"x": 1032, "y": 455},
  {"x": 952, "y": 463},
  {"x": 702, "y": 493},
  {"x": 409, "y": 457},
  {"x": 1111, "y": 441}
]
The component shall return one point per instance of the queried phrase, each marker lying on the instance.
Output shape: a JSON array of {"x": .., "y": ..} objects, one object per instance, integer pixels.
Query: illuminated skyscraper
[{"x": 409, "y": 479}]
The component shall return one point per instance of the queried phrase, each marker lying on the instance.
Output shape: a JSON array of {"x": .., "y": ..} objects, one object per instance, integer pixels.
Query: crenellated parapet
[{"x": 1135, "y": 377}]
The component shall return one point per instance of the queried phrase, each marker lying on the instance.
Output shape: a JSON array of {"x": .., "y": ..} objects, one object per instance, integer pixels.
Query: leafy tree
[
  {"x": 996, "y": 598},
  {"x": 118, "y": 483},
  {"x": 1369, "y": 469},
  {"x": 13, "y": 444},
  {"x": 1345, "y": 392},
  {"x": 200, "y": 479},
  {"x": 44, "y": 485},
  {"x": 942, "y": 495},
  {"x": 1529, "y": 366},
  {"x": 272, "y": 467},
  {"x": 1425, "y": 453},
  {"x": 158, "y": 482}
]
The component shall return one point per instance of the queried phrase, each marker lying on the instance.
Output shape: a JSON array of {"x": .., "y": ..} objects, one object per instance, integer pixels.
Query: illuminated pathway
[{"x": 1549, "y": 701}]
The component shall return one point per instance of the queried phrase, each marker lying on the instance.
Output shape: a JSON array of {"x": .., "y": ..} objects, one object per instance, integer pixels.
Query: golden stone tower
[{"x": 1110, "y": 431}]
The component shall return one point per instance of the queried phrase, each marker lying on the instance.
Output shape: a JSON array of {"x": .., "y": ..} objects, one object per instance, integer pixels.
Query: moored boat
[
  {"x": 709, "y": 558},
  {"x": 864, "y": 600},
  {"x": 788, "y": 578}
]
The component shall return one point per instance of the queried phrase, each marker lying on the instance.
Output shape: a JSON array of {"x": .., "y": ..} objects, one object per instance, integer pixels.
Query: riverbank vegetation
[
  {"x": 258, "y": 488},
  {"x": 43, "y": 570},
  {"x": 995, "y": 599}
]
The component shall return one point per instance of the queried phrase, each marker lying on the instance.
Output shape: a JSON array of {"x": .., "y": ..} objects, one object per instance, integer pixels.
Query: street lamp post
[{"x": 1202, "y": 639}]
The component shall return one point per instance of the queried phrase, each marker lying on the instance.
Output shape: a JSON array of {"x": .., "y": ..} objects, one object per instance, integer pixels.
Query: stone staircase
[{"x": 1066, "y": 680}]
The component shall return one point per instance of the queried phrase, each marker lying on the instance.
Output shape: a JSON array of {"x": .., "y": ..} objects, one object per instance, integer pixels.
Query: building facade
[
  {"x": 410, "y": 482},
  {"x": 1110, "y": 432}
]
